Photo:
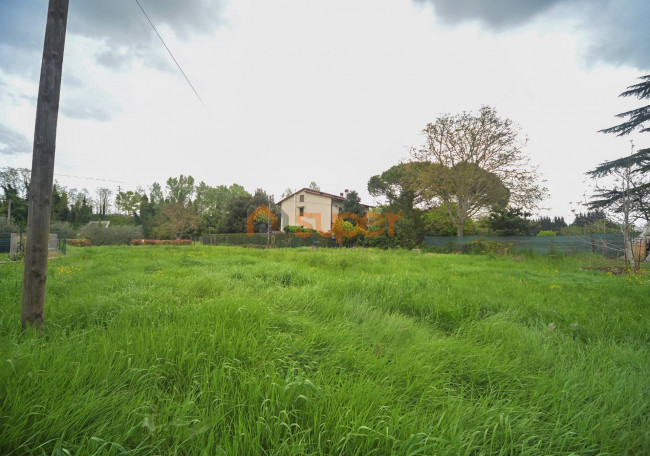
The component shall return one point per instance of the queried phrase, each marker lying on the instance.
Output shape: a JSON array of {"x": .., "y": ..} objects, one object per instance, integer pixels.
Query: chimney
[
  {"x": 346, "y": 192},
  {"x": 341, "y": 194}
]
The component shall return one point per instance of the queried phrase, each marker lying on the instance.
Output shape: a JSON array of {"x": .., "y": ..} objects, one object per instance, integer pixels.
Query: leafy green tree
[
  {"x": 236, "y": 214},
  {"x": 464, "y": 190},
  {"x": 18, "y": 179},
  {"x": 402, "y": 198},
  {"x": 146, "y": 216},
  {"x": 211, "y": 204},
  {"x": 128, "y": 202},
  {"x": 81, "y": 210},
  {"x": 636, "y": 117},
  {"x": 437, "y": 222},
  {"x": 314, "y": 186},
  {"x": 180, "y": 189},
  {"x": 510, "y": 222},
  {"x": 60, "y": 205},
  {"x": 238, "y": 209},
  {"x": 156, "y": 195},
  {"x": 18, "y": 205},
  {"x": 396, "y": 186},
  {"x": 14, "y": 183},
  {"x": 176, "y": 220},
  {"x": 631, "y": 190},
  {"x": 353, "y": 204}
]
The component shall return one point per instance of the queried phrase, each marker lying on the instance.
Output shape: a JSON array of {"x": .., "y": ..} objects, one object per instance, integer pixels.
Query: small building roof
[
  {"x": 313, "y": 192},
  {"x": 318, "y": 192}
]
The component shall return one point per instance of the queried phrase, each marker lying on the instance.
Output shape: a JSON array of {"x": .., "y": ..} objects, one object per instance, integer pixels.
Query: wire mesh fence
[
  {"x": 261, "y": 240},
  {"x": 12, "y": 244},
  {"x": 610, "y": 245}
]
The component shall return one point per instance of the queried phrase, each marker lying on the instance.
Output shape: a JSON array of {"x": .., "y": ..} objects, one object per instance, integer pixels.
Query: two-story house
[{"x": 311, "y": 209}]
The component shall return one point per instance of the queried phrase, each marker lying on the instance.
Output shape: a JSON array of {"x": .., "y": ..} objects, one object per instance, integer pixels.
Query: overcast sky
[{"x": 328, "y": 91}]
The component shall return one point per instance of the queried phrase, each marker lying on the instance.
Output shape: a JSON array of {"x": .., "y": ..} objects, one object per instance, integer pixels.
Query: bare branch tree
[{"x": 475, "y": 158}]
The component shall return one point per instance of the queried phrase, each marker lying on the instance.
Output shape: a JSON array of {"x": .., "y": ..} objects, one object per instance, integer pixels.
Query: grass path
[{"x": 216, "y": 350}]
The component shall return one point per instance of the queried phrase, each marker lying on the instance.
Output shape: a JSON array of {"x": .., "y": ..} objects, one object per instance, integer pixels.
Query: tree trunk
[
  {"x": 40, "y": 194},
  {"x": 459, "y": 229}
]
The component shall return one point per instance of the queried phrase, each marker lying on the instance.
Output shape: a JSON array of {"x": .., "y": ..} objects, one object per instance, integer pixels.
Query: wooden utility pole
[
  {"x": 40, "y": 190},
  {"x": 268, "y": 226}
]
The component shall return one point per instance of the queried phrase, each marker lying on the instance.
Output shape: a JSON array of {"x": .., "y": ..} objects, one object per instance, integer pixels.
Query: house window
[
  {"x": 302, "y": 198},
  {"x": 302, "y": 210},
  {"x": 340, "y": 210}
]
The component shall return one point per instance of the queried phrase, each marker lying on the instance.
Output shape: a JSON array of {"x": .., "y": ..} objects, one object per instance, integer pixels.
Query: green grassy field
[{"x": 214, "y": 350}]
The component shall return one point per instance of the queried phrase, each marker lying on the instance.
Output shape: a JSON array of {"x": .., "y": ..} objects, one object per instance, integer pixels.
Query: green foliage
[
  {"x": 438, "y": 223},
  {"x": 180, "y": 189},
  {"x": 175, "y": 220},
  {"x": 547, "y": 224},
  {"x": 301, "y": 229},
  {"x": 637, "y": 117},
  {"x": 631, "y": 195},
  {"x": 7, "y": 226},
  {"x": 482, "y": 247},
  {"x": 78, "y": 242},
  {"x": 214, "y": 350},
  {"x": 212, "y": 204},
  {"x": 475, "y": 163},
  {"x": 353, "y": 204},
  {"x": 81, "y": 211},
  {"x": 128, "y": 202},
  {"x": 63, "y": 228},
  {"x": 396, "y": 184},
  {"x": 60, "y": 205},
  {"x": 546, "y": 233},
  {"x": 240, "y": 207},
  {"x": 18, "y": 205},
  {"x": 112, "y": 235},
  {"x": 510, "y": 222}
]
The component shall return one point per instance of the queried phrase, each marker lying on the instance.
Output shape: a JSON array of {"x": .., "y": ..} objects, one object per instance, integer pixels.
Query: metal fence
[
  {"x": 276, "y": 240},
  {"x": 13, "y": 244},
  {"x": 606, "y": 244}
]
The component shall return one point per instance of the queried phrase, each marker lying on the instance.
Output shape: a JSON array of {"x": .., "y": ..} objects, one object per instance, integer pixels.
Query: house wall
[{"x": 314, "y": 206}]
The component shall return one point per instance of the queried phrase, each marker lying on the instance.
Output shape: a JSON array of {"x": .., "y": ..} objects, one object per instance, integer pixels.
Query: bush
[
  {"x": 79, "y": 242},
  {"x": 546, "y": 233},
  {"x": 62, "y": 228},
  {"x": 161, "y": 242},
  {"x": 112, "y": 235},
  {"x": 293, "y": 228},
  {"x": 7, "y": 226},
  {"x": 481, "y": 247}
]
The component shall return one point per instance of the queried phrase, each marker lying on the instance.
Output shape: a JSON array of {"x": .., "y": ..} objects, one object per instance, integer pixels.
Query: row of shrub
[
  {"x": 161, "y": 242},
  {"x": 78, "y": 242},
  {"x": 112, "y": 235},
  {"x": 476, "y": 247}
]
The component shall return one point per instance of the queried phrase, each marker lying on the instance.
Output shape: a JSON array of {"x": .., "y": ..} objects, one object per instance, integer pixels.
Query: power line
[
  {"x": 91, "y": 178},
  {"x": 172, "y": 55}
]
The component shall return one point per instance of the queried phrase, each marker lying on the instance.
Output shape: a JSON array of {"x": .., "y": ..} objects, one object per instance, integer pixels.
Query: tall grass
[{"x": 216, "y": 350}]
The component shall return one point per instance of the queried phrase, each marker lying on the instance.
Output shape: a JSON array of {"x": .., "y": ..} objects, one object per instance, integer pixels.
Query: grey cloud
[
  {"x": 112, "y": 59},
  {"x": 496, "y": 14},
  {"x": 620, "y": 33},
  {"x": 12, "y": 142},
  {"x": 69, "y": 79},
  {"x": 83, "y": 108},
  {"x": 120, "y": 24},
  {"x": 617, "y": 30}
]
